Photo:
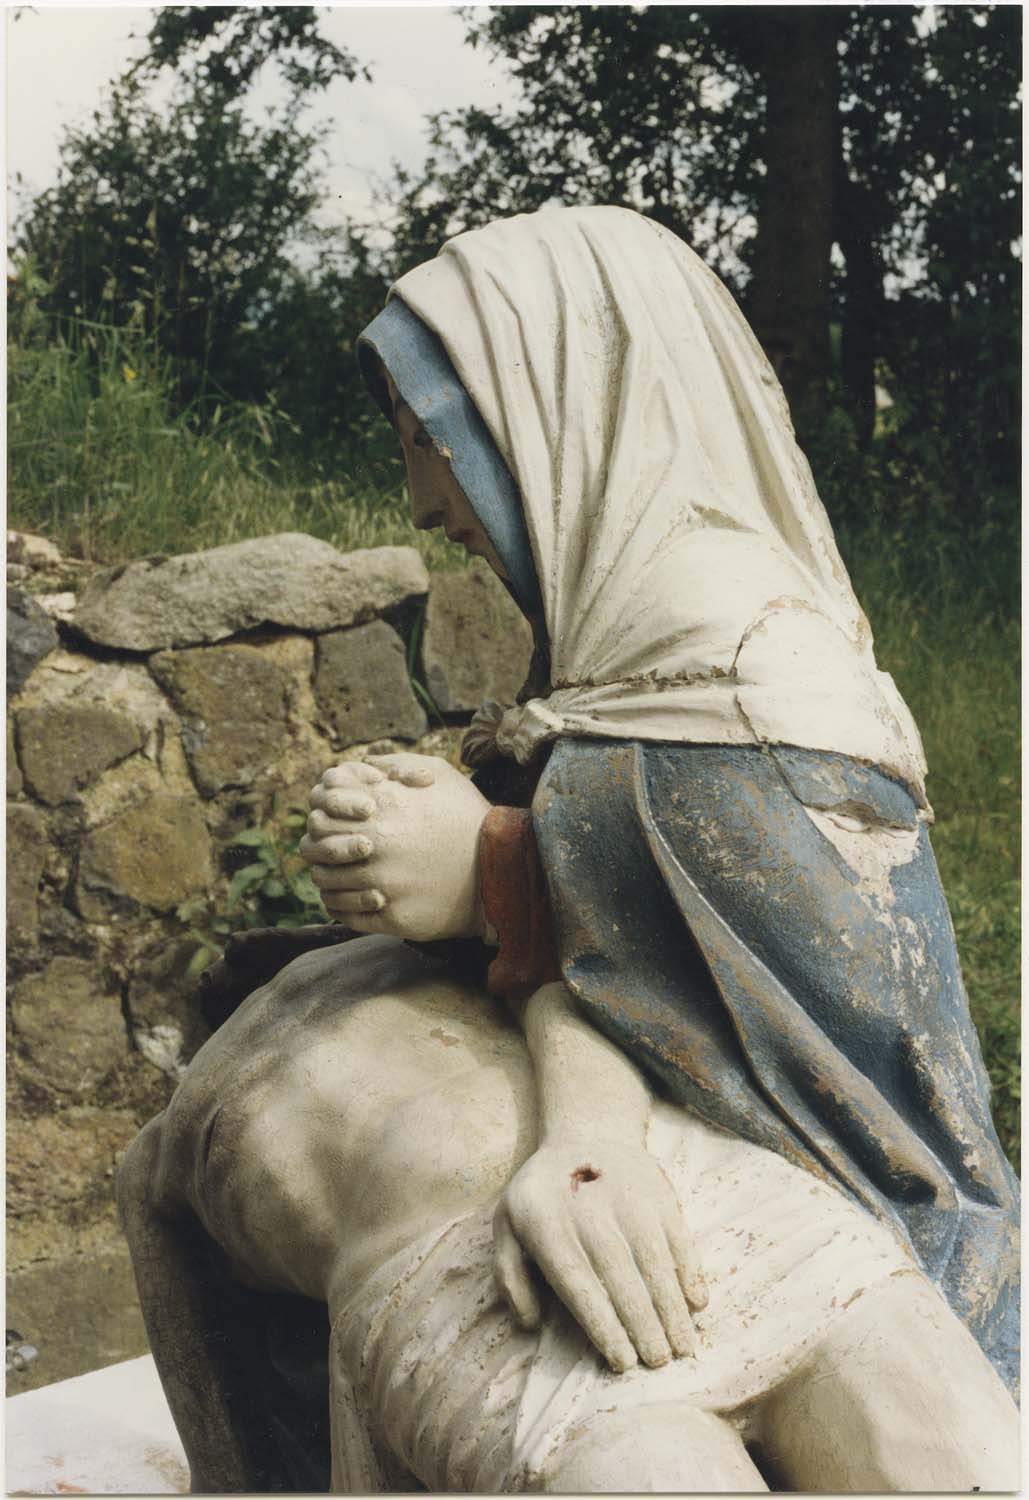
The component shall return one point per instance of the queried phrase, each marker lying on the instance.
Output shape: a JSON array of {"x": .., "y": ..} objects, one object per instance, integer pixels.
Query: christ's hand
[
  {"x": 593, "y": 1209},
  {"x": 601, "y": 1221}
]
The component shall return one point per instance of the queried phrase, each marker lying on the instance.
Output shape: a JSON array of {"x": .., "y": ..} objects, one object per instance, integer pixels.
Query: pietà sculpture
[{"x": 643, "y": 1142}]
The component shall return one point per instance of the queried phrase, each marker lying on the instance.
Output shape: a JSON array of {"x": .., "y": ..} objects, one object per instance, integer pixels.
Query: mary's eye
[{"x": 422, "y": 439}]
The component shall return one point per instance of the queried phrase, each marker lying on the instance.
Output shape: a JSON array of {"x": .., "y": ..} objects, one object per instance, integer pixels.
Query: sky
[{"x": 60, "y": 58}]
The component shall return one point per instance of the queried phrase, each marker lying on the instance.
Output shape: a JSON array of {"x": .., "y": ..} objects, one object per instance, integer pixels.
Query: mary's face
[{"x": 436, "y": 497}]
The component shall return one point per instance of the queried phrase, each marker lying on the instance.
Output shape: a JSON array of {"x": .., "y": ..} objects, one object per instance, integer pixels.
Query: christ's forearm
[{"x": 587, "y": 1089}]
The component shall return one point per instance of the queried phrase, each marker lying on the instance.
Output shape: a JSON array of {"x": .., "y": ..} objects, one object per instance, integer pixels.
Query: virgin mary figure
[
  {"x": 730, "y": 810},
  {"x": 754, "y": 1157}
]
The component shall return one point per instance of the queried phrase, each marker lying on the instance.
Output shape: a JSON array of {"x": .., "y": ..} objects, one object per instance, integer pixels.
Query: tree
[
  {"x": 792, "y": 53},
  {"x": 228, "y": 46},
  {"x": 186, "y": 220},
  {"x": 767, "y": 136},
  {"x": 952, "y": 340},
  {"x": 705, "y": 119}
]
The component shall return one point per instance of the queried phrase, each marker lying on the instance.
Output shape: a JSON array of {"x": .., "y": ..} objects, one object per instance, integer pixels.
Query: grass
[
  {"x": 945, "y": 626},
  {"x": 100, "y": 461}
]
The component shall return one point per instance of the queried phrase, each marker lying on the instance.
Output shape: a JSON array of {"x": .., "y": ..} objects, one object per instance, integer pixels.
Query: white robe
[{"x": 428, "y": 1363}]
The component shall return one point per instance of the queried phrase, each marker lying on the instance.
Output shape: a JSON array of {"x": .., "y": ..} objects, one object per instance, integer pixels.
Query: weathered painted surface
[
  {"x": 312, "y": 1236},
  {"x": 691, "y": 586},
  {"x": 772, "y": 984},
  {"x": 428, "y": 382}
]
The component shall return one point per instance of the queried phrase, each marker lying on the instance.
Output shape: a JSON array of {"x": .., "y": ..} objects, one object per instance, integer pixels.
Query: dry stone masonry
[{"x": 155, "y": 711}]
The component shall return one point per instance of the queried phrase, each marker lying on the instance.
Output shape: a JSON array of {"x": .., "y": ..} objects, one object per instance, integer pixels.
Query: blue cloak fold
[{"x": 710, "y": 929}]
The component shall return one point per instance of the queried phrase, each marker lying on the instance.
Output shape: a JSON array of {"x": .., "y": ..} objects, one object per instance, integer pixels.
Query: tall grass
[
  {"x": 943, "y": 612},
  {"x": 100, "y": 460}
]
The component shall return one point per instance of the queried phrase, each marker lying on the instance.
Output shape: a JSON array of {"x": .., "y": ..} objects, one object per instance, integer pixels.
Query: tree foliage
[
  {"x": 850, "y": 171},
  {"x": 950, "y": 334},
  {"x": 706, "y": 119},
  {"x": 199, "y": 225},
  {"x": 228, "y": 45}
]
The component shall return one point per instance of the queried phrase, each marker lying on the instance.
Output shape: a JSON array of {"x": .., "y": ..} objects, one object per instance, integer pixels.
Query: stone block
[
  {"x": 32, "y": 551},
  {"x": 31, "y": 635},
  {"x": 59, "y": 606},
  {"x": 106, "y": 1432},
  {"x": 69, "y": 1026},
  {"x": 476, "y": 643},
  {"x": 153, "y": 855},
  {"x": 234, "y": 700},
  {"x": 63, "y": 1164},
  {"x": 362, "y": 685},
  {"x": 63, "y": 747},
  {"x": 132, "y": 782},
  {"x": 80, "y": 1310},
  {"x": 61, "y": 931},
  {"x": 164, "y": 1011},
  {"x": 127, "y": 688},
  {"x": 292, "y": 580},
  {"x": 14, "y": 777},
  {"x": 26, "y": 860}
]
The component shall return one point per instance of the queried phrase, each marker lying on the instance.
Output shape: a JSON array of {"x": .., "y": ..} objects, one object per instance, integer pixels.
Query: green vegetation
[
  {"x": 945, "y": 626},
  {"x": 102, "y": 459},
  {"x": 854, "y": 164},
  {"x": 199, "y": 225},
  {"x": 270, "y": 887}
]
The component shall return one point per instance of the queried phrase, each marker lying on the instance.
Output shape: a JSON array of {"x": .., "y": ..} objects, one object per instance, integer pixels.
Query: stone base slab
[{"x": 106, "y": 1433}]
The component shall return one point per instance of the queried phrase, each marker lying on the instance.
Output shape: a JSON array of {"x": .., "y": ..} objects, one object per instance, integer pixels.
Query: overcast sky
[{"x": 59, "y": 59}]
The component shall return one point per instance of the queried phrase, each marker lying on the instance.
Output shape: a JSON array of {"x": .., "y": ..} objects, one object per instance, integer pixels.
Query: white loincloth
[{"x": 468, "y": 1401}]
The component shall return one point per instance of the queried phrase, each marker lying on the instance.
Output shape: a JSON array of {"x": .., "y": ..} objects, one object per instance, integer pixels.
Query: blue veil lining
[{"x": 424, "y": 375}]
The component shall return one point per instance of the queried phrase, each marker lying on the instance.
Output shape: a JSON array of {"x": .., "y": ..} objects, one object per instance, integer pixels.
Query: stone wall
[{"x": 155, "y": 711}]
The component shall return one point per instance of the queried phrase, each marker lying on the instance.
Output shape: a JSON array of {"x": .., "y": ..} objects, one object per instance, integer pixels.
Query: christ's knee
[
  {"x": 663, "y": 1448},
  {"x": 898, "y": 1397}
]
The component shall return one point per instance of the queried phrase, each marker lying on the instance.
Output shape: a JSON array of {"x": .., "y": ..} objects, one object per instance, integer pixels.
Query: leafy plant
[
  {"x": 271, "y": 889},
  {"x": 418, "y": 686},
  {"x": 103, "y": 458},
  {"x": 202, "y": 225}
]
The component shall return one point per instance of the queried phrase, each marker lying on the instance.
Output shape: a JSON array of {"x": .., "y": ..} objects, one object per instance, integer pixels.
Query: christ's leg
[
  {"x": 201, "y": 1338},
  {"x": 899, "y": 1397}
]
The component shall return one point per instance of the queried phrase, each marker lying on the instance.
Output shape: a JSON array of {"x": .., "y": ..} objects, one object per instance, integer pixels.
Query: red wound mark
[{"x": 583, "y": 1174}]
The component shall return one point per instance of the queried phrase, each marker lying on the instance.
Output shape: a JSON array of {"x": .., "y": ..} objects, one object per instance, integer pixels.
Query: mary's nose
[{"x": 424, "y": 514}]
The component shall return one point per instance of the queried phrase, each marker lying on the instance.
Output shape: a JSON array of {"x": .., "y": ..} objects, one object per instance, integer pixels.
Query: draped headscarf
[{"x": 691, "y": 586}]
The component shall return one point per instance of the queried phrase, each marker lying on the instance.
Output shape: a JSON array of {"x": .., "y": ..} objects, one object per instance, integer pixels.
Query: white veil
[{"x": 691, "y": 584}]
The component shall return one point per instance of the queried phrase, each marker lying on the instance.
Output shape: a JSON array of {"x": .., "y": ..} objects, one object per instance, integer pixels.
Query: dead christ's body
[{"x": 346, "y": 1136}]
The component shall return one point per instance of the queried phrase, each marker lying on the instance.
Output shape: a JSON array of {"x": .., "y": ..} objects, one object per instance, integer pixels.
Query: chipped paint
[
  {"x": 764, "y": 932},
  {"x": 871, "y": 851}
]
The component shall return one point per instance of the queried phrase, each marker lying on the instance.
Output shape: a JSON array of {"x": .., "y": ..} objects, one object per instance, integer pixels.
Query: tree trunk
[
  {"x": 789, "y": 295},
  {"x": 862, "y": 305}
]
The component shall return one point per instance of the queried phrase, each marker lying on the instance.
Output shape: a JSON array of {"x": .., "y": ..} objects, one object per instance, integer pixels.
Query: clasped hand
[{"x": 392, "y": 842}]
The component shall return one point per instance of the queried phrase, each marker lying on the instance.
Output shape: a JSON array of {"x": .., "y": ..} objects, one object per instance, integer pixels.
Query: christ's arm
[{"x": 592, "y": 1208}]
